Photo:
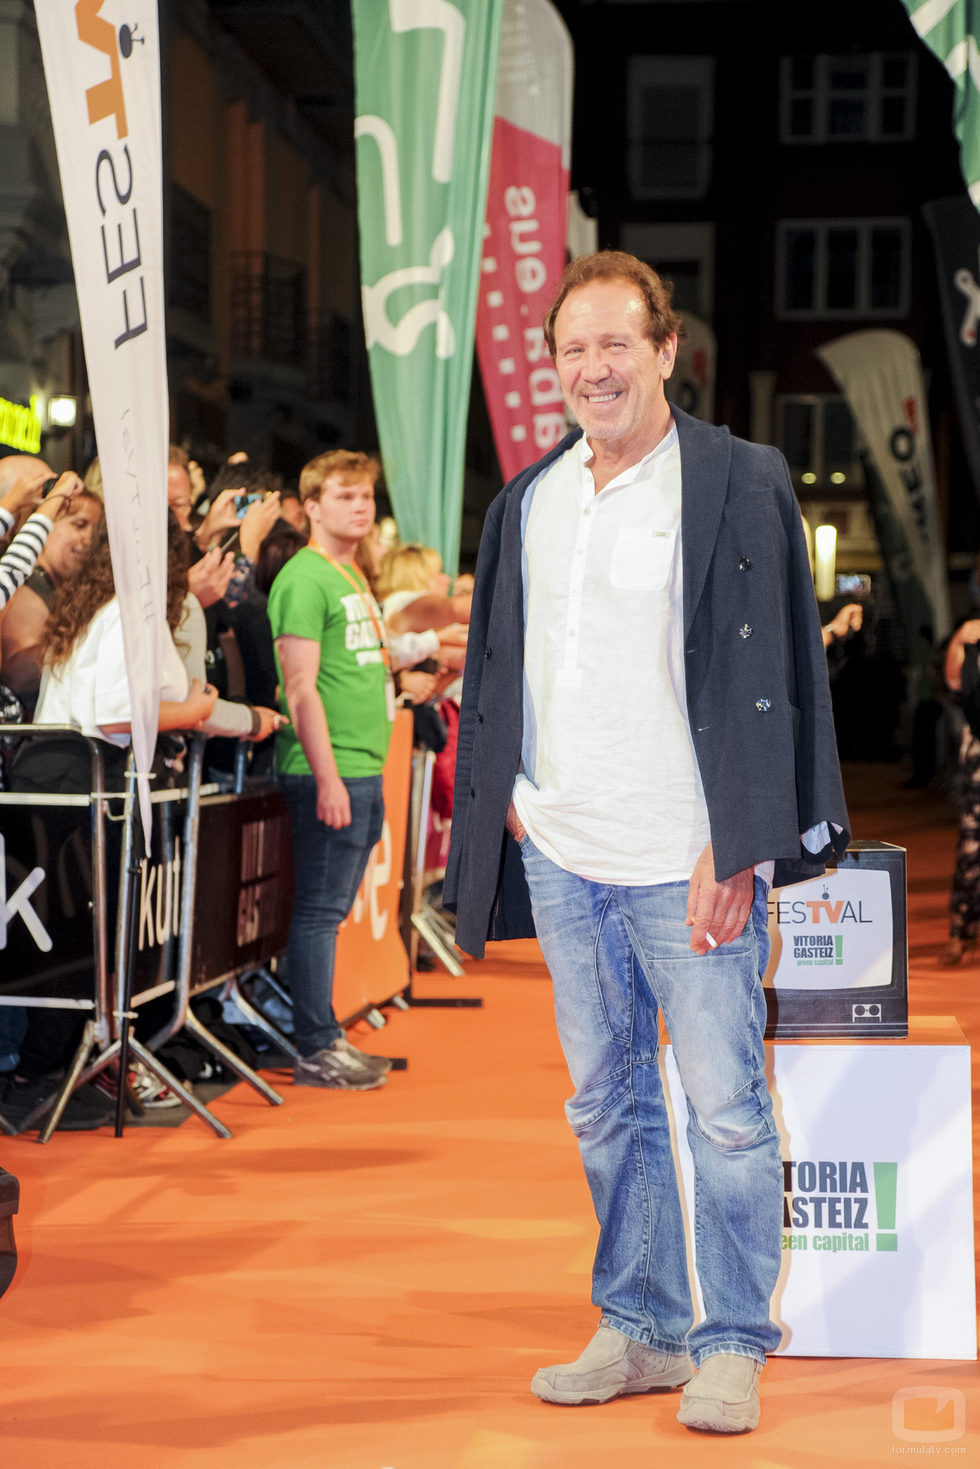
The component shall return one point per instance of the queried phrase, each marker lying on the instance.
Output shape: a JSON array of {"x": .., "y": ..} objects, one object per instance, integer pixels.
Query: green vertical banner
[
  {"x": 425, "y": 77},
  {"x": 951, "y": 30}
]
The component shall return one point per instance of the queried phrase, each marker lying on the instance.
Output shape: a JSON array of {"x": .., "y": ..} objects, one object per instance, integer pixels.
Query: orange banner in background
[{"x": 372, "y": 964}]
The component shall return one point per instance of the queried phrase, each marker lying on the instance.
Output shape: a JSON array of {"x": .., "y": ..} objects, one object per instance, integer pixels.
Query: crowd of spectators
[{"x": 62, "y": 663}]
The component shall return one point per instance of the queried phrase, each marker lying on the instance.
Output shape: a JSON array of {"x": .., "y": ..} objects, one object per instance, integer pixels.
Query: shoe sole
[
  {"x": 707, "y": 1423},
  {"x": 573, "y": 1399},
  {"x": 341, "y": 1084}
]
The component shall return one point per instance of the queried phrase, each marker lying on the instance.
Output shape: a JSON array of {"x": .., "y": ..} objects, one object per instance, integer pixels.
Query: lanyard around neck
[{"x": 354, "y": 580}]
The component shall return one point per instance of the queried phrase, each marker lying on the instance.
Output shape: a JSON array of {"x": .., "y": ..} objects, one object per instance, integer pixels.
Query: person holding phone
[
  {"x": 66, "y": 545},
  {"x": 55, "y": 495}
]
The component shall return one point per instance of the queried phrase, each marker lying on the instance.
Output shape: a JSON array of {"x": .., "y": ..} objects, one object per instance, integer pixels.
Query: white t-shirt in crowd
[{"x": 90, "y": 689}]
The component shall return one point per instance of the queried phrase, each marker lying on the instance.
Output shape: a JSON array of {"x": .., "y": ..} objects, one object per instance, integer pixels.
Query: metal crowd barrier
[
  {"x": 208, "y": 910},
  {"x": 25, "y": 935}
]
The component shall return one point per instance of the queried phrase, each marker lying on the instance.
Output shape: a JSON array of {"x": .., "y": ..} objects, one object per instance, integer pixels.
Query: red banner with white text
[{"x": 525, "y": 234}]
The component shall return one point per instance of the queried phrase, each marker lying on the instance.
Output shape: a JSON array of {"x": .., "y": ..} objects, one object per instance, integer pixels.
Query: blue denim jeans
[
  {"x": 617, "y": 956},
  {"x": 328, "y": 864}
]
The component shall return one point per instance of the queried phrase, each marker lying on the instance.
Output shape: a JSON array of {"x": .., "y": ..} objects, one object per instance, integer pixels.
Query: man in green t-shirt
[{"x": 336, "y": 690}]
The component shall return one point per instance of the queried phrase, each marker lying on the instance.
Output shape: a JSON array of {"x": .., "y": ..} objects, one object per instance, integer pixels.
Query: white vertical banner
[
  {"x": 102, "y": 67},
  {"x": 880, "y": 375}
]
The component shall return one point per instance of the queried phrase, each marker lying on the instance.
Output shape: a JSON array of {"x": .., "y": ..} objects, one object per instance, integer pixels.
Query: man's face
[
  {"x": 70, "y": 539},
  {"x": 611, "y": 373},
  {"x": 179, "y": 494},
  {"x": 345, "y": 509}
]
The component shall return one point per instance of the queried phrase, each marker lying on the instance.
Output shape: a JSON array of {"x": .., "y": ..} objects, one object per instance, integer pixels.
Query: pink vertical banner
[{"x": 525, "y": 232}]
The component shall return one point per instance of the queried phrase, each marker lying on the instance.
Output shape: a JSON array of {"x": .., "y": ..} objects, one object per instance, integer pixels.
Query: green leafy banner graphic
[
  {"x": 425, "y": 76},
  {"x": 950, "y": 29}
]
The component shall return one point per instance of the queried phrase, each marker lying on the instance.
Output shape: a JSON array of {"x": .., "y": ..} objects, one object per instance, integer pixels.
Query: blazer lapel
[{"x": 706, "y": 454}]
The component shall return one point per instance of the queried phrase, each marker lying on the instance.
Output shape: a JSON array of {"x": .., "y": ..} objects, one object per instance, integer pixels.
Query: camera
[
  {"x": 48, "y": 485},
  {"x": 853, "y": 584},
  {"x": 243, "y": 501}
]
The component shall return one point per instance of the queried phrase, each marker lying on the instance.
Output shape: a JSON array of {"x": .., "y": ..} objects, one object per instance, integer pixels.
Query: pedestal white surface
[{"x": 878, "y": 1249}]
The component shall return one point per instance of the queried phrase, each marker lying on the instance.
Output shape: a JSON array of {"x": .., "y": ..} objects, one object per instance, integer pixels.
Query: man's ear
[{"x": 668, "y": 355}]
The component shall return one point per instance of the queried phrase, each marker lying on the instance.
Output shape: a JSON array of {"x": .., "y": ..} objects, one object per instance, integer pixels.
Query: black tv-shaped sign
[{"x": 839, "y": 960}]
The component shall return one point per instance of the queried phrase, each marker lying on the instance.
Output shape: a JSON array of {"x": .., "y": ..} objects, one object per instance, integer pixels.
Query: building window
[
  {"x": 330, "y": 358},
  {"x": 848, "y": 99},
  {"x": 817, "y": 435},
  {"x": 268, "y": 308},
  {"x": 669, "y": 118},
  {"x": 843, "y": 267},
  {"x": 684, "y": 253},
  {"x": 189, "y": 273}
]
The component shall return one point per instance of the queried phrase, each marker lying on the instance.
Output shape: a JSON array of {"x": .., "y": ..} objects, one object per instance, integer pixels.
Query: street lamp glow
[
  {"x": 825, "y": 544},
  {"x": 62, "y": 411}
]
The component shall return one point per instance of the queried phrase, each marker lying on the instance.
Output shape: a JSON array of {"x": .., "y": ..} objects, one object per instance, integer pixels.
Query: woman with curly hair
[{"x": 85, "y": 681}]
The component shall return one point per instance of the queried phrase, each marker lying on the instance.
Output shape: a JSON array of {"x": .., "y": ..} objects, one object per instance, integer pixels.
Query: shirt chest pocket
[{"x": 641, "y": 559}]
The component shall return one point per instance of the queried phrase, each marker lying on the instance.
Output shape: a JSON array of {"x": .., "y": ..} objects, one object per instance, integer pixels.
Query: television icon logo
[
  {"x": 928, "y": 1414},
  {"x": 865, "y": 1012}
]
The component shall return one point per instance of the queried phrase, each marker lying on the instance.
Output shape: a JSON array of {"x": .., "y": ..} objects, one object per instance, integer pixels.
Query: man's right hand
[
  {"x": 514, "y": 824},
  {"x": 332, "y": 802}
]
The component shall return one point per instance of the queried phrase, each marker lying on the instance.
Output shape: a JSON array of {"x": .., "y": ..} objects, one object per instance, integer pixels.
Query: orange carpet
[{"x": 368, "y": 1281}]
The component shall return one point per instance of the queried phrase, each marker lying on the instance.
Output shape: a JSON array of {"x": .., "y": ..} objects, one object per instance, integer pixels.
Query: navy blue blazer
[{"x": 758, "y": 700}]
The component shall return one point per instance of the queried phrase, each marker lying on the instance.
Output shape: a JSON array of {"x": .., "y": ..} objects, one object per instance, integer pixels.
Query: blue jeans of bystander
[
  {"x": 617, "y": 955},
  {"x": 328, "y": 864}
]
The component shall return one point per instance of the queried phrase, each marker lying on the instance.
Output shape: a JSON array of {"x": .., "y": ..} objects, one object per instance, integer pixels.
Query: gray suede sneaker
[
  {"x": 611, "y": 1366},
  {"x": 338, "y": 1065},
  {"x": 380, "y": 1064},
  {"x": 724, "y": 1395}
]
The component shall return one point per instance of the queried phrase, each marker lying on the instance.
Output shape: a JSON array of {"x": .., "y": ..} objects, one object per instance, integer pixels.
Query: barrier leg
[
  {"x": 425, "y": 921},
  {"x": 152, "y": 1063},
  {"x": 428, "y": 925},
  {"x": 162, "y": 1075},
  {"x": 61, "y": 1098},
  {"x": 233, "y": 991},
  {"x": 227, "y": 1055}
]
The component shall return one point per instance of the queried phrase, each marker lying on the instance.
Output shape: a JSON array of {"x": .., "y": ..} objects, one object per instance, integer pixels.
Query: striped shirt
[{"x": 17, "y": 562}]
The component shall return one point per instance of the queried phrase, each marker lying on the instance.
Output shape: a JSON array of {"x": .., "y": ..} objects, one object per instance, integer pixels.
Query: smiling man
[
  {"x": 645, "y": 735},
  {"x": 336, "y": 689}
]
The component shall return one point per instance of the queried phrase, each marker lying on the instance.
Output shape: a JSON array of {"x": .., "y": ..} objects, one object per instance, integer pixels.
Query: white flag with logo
[
  {"x": 103, "y": 83},
  {"x": 880, "y": 375}
]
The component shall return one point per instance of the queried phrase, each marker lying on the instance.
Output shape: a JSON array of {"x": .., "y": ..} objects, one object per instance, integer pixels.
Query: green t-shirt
[{"x": 311, "y": 599}]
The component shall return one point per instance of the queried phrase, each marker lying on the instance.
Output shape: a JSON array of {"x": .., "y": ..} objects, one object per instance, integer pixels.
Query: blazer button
[
  {"x": 745, "y": 631},
  {"x": 745, "y": 564},
  {"x": 488, "y": 652},
  {"x": 472, "y": 794},
  {"x": 479, "y": 717},
  {"x": 763, "y": 705}
]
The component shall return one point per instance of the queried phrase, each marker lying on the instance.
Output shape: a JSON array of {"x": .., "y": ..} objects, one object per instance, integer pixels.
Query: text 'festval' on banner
[{"x": 104, "y": 89}]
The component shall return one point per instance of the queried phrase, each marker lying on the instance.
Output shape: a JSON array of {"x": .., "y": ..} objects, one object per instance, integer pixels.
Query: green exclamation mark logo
[
  {"x": 838, "y": 949},
  {"x": 886, "y": 1189}
]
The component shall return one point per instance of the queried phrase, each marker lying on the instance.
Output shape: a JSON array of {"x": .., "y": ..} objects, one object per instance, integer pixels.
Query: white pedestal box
[{"x": 877, "y": 1231}]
